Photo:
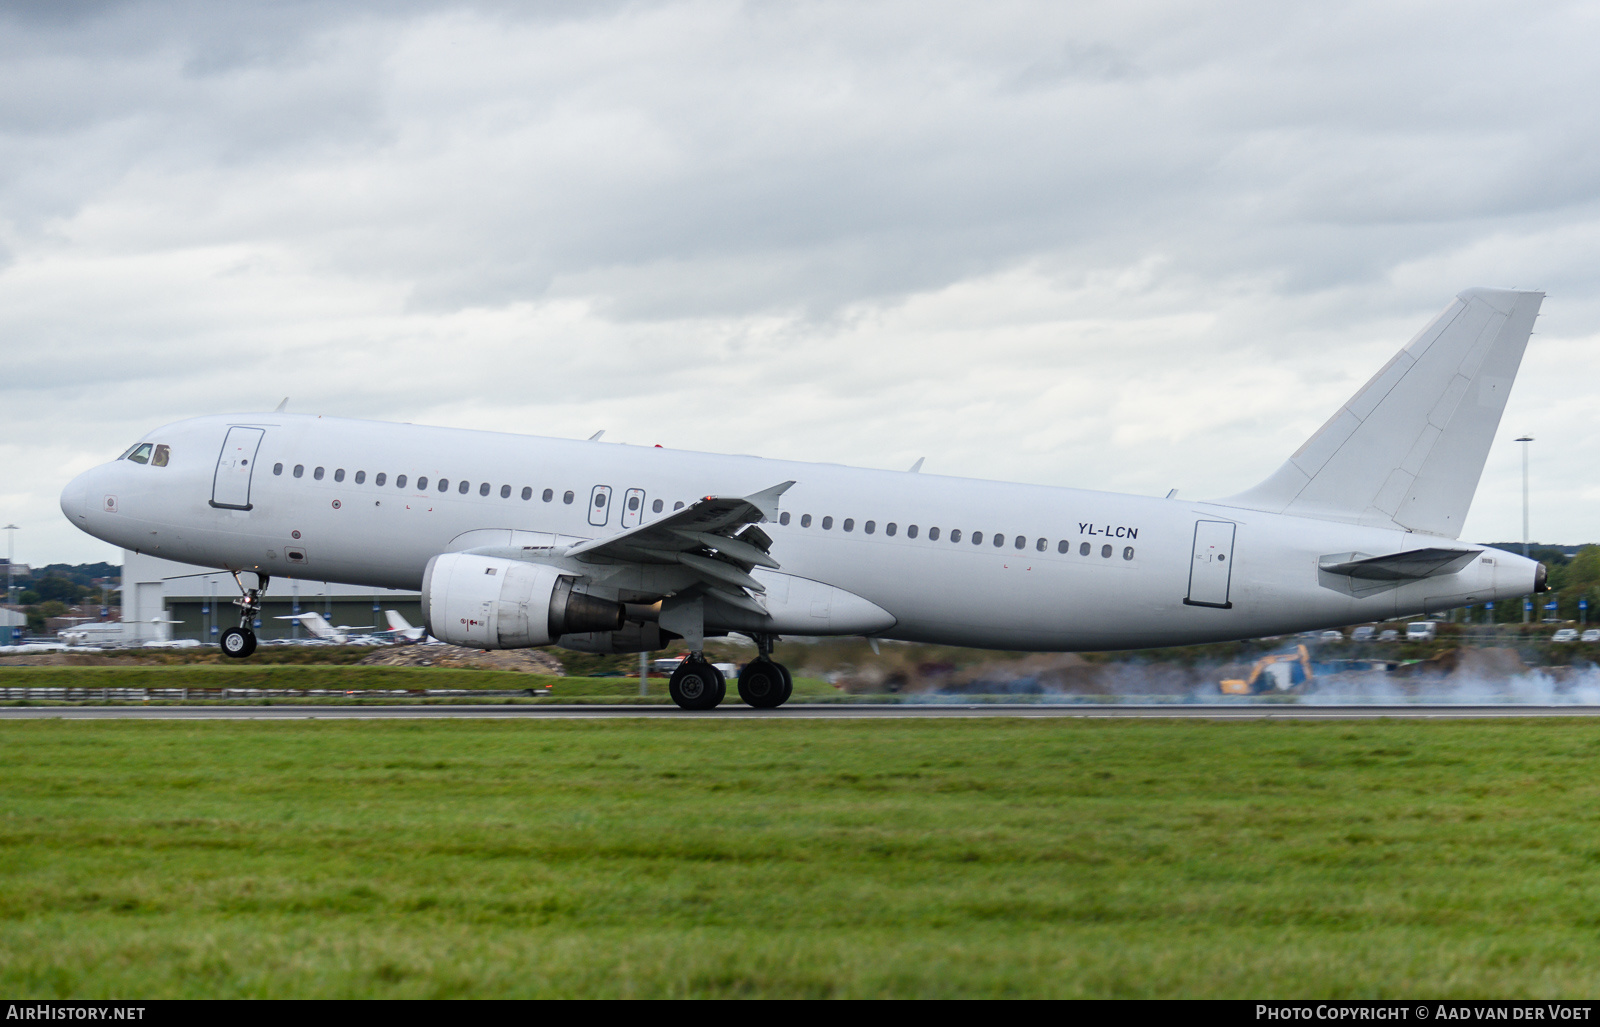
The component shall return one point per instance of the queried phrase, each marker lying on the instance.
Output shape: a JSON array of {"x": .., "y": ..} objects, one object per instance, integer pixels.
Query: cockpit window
[
  {"x": 141, "y": 454},
  {"x": 163, "y": 454}
]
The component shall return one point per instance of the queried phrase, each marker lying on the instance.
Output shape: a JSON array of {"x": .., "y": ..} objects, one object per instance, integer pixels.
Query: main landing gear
[
  {"x": 763, "y": 683},
  {"x": 240, "y": 642}
]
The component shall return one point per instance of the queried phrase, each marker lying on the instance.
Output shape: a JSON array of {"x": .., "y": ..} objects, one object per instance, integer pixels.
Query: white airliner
[{"x": 521, "y": 541}]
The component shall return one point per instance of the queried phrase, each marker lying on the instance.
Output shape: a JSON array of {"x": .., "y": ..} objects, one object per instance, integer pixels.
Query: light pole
[
  {"x": 11, "y": 557},
  {"x": 1525, "y": 440}
]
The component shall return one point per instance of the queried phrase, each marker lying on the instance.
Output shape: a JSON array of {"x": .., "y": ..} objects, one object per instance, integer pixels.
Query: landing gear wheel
[
  {"x": 788, "y": 683},
  {"x": 697, "y": 685},
  {"x": 238, "y": 642},
  {"x": 763, "y": 684}
]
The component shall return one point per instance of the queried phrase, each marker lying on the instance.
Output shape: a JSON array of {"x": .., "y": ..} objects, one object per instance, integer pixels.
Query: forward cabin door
[
  {"x": 230, "y": 486},
  {"x": 1211, "y": 569}
]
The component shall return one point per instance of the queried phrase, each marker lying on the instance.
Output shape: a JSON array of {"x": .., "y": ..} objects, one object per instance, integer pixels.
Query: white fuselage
[{"x": 1145, "y": 557}]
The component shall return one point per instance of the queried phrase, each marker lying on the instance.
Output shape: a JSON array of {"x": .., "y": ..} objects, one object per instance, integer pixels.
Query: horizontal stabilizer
[{"x": 1412, "y": 565}]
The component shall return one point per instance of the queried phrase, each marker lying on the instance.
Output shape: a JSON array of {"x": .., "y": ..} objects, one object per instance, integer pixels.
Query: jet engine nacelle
[{"x": 489, "y": 603}]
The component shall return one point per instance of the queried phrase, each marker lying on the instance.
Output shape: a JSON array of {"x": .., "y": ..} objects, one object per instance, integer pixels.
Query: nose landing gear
[{"x": 240, "y": 642}]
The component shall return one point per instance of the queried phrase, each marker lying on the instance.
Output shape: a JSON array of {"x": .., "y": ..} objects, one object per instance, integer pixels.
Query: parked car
[
  {"x": 1331, "y": 636},
  {"x": 1592, "y": 635},
  {"x": 1422, "y": 631},
  {"x": 1389, "y": 635},
  {"x": 1565, "y": 635},
  {"x": 1364, "y": 633}
]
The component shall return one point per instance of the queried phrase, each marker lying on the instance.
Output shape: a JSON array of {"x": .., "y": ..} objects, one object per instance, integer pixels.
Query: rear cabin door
[
  {"x": 1211, "y": 568},
  {"x": 600, "y": 505},
  {"x": 230, "y": 486}
]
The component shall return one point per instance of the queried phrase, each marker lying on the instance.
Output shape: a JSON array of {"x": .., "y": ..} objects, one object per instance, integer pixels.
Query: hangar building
[{"x": 162, "y": 600}]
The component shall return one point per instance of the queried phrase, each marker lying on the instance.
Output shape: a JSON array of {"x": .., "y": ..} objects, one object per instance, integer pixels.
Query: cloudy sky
[{"x": 1124, "y": 246}]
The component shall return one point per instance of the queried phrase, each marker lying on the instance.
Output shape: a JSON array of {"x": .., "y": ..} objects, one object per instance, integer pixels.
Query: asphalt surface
[{"x": 283, "y": 711}]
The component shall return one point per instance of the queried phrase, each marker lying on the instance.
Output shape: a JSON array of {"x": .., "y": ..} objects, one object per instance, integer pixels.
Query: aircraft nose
[{"x": 75, "y": 498}]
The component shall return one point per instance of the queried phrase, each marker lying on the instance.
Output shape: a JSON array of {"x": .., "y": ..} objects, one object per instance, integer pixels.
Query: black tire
[
  {"x": 763, "y": 684},
  {"x": 238, "y": 642},
  {"x": 696, "y": 685},
  {"x": 788, "y": 683}
]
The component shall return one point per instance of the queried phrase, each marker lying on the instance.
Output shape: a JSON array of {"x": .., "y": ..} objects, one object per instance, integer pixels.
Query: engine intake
[{"x": 488, "y": 603}]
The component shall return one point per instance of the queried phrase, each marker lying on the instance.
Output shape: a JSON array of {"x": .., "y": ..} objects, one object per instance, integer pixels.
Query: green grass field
[{"x": 800, "y": 858}]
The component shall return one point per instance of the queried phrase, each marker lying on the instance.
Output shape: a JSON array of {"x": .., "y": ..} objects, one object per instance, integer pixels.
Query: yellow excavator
[{"x": 1277, "y": 672}]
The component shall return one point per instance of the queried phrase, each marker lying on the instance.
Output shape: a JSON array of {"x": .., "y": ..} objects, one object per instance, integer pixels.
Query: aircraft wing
[
  {"x": 715, "y": 538},
  {"x": 1412, "y": 565}
]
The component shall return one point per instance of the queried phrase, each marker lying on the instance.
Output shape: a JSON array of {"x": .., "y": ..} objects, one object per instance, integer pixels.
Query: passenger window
[
  {"x": 444, "y": 484},
  {"x": 1063, "y": 546},
  {"x": 527, "y": 493},
  {"x": 141, "y": 454},
  {"x": 1083, "y": 550},
  {"x": 422, "y": 482},
  {"x": 827, "y": 522},
  {"x": 849, "y": 524},
  {"x": 505, "y": 492},
  {"x": 600, "y": 500},
  {"x": 1105, "y": 551},
  {"x": 163, "y": 454},
  {"x": 339, "y": 474},
  {"x": 911, "y": 532},
  {"x": 361, "y": 478},
  {"x": 678, "y": 505},
  {"x": 566, "y": 497},
  {"x": 933, "y": 534},
  {"x": 277, "y": 468},
  {"x": 655, "y": 507},
  {"x": 1127, "y": 553},
  {"x": 955, "y": 534},
  {"x": 1043, "y": 545},
  {"x": 549, "y": 494},
  {"x": 869, "y": 527},
  {"x": 400, "y": 481},
  {"x": 466, "y": 486},
  {"x": 483, "y": 490},
  {"x": 317, "y": 474},
  {"x": 1022, "y": 543},
  {"x": 299, "y": 470},
  {"x": 805, "y": 520},
  {"x": 889, "y": 529},
  {"x": 380, "y": 479},
  {"x": 633, "y": 502},
  {"x": 999, "y": 540},
  {"x": 783, "y": 518},
  {"x": 977, "y": 538}
]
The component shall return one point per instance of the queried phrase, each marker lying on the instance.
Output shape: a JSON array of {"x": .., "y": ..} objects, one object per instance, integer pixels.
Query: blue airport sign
[
  {"x": 1550, "y": 606},
  {"x": 1583, "y": 604},
  {"x": 16, "y": 632}
]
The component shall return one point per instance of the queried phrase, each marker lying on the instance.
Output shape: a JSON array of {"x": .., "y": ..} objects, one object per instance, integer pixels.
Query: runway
[{"x": 799, "y": 712}]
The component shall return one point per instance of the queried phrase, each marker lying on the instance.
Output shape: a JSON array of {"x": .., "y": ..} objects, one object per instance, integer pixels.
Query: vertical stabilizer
[{"x": 1408, "y": 449}]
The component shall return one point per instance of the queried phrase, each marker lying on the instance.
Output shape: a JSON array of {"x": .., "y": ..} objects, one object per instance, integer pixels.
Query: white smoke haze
[{"x": 1463, "y": 676}]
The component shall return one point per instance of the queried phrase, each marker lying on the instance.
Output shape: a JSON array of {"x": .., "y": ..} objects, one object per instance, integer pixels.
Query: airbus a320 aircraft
[{"x": 520, "y": 541}]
